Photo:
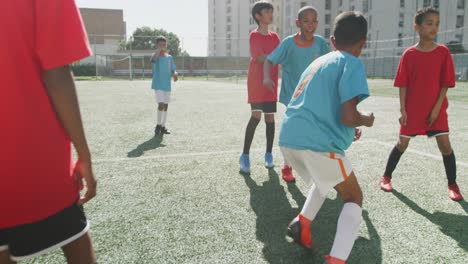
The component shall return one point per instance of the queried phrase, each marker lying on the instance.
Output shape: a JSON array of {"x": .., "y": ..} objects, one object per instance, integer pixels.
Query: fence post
[
  {"x": 130, "y": 67},
  {"x": 95, "y": 58}
]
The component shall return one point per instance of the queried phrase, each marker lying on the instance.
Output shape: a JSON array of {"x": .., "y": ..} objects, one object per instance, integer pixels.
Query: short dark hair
[
  {"x": 305, "y": 9},
  {"x": 349, "y": 28},
  {"x": 423, "y": 12},
  {"x": 258, "y": 7},
  {"x": 160, "y": 38}
]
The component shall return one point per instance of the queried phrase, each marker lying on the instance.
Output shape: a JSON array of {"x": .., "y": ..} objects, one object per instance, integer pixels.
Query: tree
[
  {"x": 144, "y": 38},
  {"x": 455, "y": 47}
]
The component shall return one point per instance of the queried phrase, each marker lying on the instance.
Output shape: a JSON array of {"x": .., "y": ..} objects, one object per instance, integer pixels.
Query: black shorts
[
  {"x": 430, "y": 133},
  {"x": 58, "y": 230},
  {"x": 265, "y": 107}
]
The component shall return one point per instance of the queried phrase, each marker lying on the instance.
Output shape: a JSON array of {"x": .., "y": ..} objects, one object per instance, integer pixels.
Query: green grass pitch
[{"x": 182, "y": 200}]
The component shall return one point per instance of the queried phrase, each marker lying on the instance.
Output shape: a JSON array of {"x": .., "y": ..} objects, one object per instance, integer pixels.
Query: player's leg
[
  {"x": 349, "y": 220},
  {"x": 80, "y": 251},
  {"x": 443, "y": 142},
  {"x": 5, "y": 257},
  {"x": 393, "y": 159},
  {"x": 255, "y": 118},
  {"x": 270, "y": 137},
  {"x": 287, "y": 172},
  {"x": 164, "y": 117},
  {"x": 157, "y": 130}
]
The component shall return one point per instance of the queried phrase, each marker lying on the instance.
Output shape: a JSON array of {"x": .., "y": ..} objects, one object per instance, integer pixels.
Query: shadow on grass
[
  {"x": 152, "y": 143},
  {"x": 452, "y": 225},
  {"x": 270, "y": 203}
]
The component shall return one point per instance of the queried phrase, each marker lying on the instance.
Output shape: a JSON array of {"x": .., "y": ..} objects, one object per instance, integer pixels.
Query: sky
[{"x": 188, "y": 19}]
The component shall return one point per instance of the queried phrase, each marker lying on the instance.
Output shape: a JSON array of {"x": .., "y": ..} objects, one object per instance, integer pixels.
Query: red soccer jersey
[
  {"x": 261, "y": 45},
  {"x": 35, "y": 159},
  {"x": 424, "y": 74}
]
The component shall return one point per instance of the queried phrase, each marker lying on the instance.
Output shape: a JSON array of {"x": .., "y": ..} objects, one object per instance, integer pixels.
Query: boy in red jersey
[
  {"x": 425, "y": 73},
  {"x": 261, "y": 99},
  {"x": 40, "y": 204}
]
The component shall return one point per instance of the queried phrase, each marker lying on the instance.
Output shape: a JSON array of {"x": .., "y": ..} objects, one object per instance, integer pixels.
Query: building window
[
  {"x": 370, "y": 21},
  {"x": 352, "y": 8},
  {"x": 228, "y": 19},
  {"x": 459, "y": 38},
  {"x": 400, "y": 41},
  {"x": 402, "y": 3},
  {"x": 303, "y": 4},
  {"x": 228, "y": 28},
  {"x": 461, "y": 4},
  {"x": 326, "y": 33},
  {"x": 436, "y": 3},
  {"x": 327, "y": 4},
  {"x": 340, "y": 3},
  {"x": 228, "y": 9},
  {"x": 460, "y": 21},
  {"x": 327, "y": 19},
  {"x": 427, "y": 3},
  {"x": 401, "y": 22}
]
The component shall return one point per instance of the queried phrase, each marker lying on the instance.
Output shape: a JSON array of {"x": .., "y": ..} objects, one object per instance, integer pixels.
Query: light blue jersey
[
  {"x": 163, "y": 68},
  {"x": 313, "y": 118},
  {"x": 294, "y": 58}
]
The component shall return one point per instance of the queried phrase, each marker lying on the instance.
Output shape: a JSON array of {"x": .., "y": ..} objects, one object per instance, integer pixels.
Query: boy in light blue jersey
[
  {"x": 320, "y": 124},
  {"x": 163, "y": 68},
  {"x": 294, "y": 54}
]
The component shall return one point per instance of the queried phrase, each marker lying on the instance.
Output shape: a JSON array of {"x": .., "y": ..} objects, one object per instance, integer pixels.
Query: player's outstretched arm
[
  {"x": 351, "y": 117},
  {"x": 62, "y": 93},
  {"x": 267, "y": 82}
]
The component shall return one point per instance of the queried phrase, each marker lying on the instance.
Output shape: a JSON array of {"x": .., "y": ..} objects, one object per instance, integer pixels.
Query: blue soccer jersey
[
  {"x": 313, "y": 118},
  {"x": 163, "y": 68},
  {"x": 294, "y": 58}
]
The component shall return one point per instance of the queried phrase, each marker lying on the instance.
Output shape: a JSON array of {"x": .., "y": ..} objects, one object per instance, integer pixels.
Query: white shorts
[
  {"x": 325, "y": 169},
  {"x": 162, "y": 96}
]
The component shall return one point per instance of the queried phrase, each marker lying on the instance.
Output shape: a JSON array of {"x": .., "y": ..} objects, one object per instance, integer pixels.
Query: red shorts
[{"x": 420, "y": 126}]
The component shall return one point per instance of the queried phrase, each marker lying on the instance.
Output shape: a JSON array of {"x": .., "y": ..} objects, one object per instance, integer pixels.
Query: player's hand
[
  {"x": 403, "y": 118},
  {"x": 268, "y": 83},
  {"x": 176, "y": 76},
  {"x": 433, "y": 116},
  {"x": 369, "y": 120},
  {"x": 357, "y": 134},
  {"x": 84, "y": 175}
]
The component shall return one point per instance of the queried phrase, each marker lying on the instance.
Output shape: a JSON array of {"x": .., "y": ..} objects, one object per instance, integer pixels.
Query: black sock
[
  {"x": 270, "y": 135},
  {"x": 392, "y": 162},
  {"x": 450, "y": 168},
  {"x": 249, "y": 134}
]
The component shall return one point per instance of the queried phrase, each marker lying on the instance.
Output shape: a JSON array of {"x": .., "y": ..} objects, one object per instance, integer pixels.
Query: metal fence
[{"x": 111, "y": 61}]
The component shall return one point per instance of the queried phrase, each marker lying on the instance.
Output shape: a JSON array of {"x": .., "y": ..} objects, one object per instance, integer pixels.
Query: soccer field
[{"x": 182, "y": 200}]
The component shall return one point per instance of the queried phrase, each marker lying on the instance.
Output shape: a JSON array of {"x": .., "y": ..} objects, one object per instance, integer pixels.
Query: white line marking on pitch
[{"x": 460, "y": 163}]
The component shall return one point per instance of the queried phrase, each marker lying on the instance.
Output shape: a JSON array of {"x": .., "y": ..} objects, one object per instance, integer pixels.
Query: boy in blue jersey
[
  {"x": 320, "y": 124},
  {"x": 294, "y": 54},
  {"x": 163, "y": 68}
]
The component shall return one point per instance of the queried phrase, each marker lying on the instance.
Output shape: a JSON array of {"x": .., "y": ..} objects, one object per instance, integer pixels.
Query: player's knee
[
  {"x": 160, "y": 107},
  {"x": 402, "y": 145},
  {"x": 445, "y": 148},
  {"x": 269, "y": 118},
  {"x": 354, "y": 197},
  {"x": 256, "y": 115}
]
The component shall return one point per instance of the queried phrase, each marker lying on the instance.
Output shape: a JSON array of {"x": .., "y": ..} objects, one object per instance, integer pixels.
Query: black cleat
[
  {"x": 157, "y": 130},
  {"x": 165, "y": 131}
]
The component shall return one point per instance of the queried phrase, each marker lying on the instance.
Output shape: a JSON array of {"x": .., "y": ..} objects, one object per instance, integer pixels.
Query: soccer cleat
[
  {"x": 386, "y": 184},
  {"x": 454, "y": 192},
  {"x": 299, "y": 231},
  {"x": 287, "y": 174},
  {"x": 244, "y": 162},
  {"x": 332, "y": 260},
  {"x": 165, "y": 131},
  {"x": 157, "y": 130},
  {"x": 269, "y": 160}
]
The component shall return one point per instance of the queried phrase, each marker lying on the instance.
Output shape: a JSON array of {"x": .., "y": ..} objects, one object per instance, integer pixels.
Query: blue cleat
[
  {"x": 244, "y": 162},
  {"x": 269, "y": 160}
]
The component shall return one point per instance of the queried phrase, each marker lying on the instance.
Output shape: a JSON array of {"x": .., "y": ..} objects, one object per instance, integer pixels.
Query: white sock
[
  {"x": 347, "y": 231},
  {"x": 159, "y": 117},
  {"x": 164, "y": 118},
  {"x": 312, "y": 204}
]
